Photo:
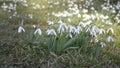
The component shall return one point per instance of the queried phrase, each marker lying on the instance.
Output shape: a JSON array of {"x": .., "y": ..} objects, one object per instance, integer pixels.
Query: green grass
[{"x": 16, "y": 52}]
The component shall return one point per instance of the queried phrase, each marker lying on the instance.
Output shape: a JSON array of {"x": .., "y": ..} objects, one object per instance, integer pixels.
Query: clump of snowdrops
[{"x": 60, "y": 39}]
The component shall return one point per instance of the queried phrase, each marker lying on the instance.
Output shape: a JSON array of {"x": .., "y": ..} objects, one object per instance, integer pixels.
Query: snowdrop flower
[
  {"x": 93, "y": 16},
  {"x": 96, "y": 40},
  {"x": 11, "y": 6},
  {"x": 94, "y": 31},
  {"x": 82, "y": 24},
  {"x": 108, "y": 22},
  {"x": 85, "y": 10},
  {"x": 50, "y": 23},
  {"x": 21, "y": 29},
  {"x": 69, "y": 20},
  {"x": 69, "y": 35},
  {"x": 101, "y": 31},
  {"x": 51, "y": 32},
  {"x": 34, "y": 26},
  {"x": 78, "y": 29},
  {"x": 30, "y": 16},
  {"x": 78, "y": 15},
  {"x": 72, "y": 29},
  {"x": 62, "y": 28},
  {"x": 110, "y": 30},
  {"x": 4, "y": 6},
  {"x": 86, "y": 17},
  {"x": 109, "y": 38},
  {"x": 102, "y": 44},
  {"x": 38, "y": 31},
  {"x": 88, "y": 29}
]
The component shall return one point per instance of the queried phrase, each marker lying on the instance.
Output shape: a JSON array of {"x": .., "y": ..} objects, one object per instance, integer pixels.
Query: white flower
[
  {"x": 110, "y": 29},
  {"x": 85, "y": 11},
  {"x": 4, "y": 6},
  {"x": 101, "y": 31},
  {"x": 38, "y": 31},
  {"x": 62, "y": 28},
  {"x": 30, "y": 16},
  {"x": 34, "y": 26},
  {"x": 50, "y": 23},
  {"x": 94, "y": 31},
  {"x": 88, "y": 29},
  {"x": 109, "y": 39},
  {"x": 102, "y": 44},
  {"x": 21, "y": 29},
  {"x": 72, "y": 29},
  {"x": 51, "y": 32},
  {"x": 69, "y": 20},
  {"x": 96, "y": 40},
  {"x": 78, "y": 29},
  {"x": 82, "y": 24},
  {"x": 69, "y": 35}
]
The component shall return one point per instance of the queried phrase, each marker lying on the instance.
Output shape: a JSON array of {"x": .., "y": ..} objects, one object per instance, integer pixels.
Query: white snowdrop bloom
[
  {"x": 88, "y": 29},
  {"x": 94, "y": 31},
  {"x": 38, "y": 31},
  {"x": 108, "y": 22},
  {"x": 15, "y": 13},
  {"x": 51, "y": 32},
  {"x": 76, "y": 12},
  {"x": 30, "y": 16},
  {"x": 62, "y": 28},
  {"x": 43, "y": 6},
  {"x": 103, "y": 17},
  {"x": 113, "y": 11},
  {"x": 4, "y": 6},
  {"x": 110, "y": 30},
  {"x": 60, "y": 21},
  {"x": 86, "y": 17},
  {"x": 24, "y": 4},
  {"x": 78, "y": 15},
  {"x": 85, "y": 11},
  {"x": 78, "y": 30},
  {"x": 57, "y": 3},
  {"x": 69, "y": 20},
  {"x": 69, "y": 35},
  {"x": 72, "y": 29},
  {"x": 37, "y": 6},
  {"x": 34, "y": 26},
  {"x": 11, "y": 6},
  {"x": 96, "y": 40},
  {"x": 109, "y": 39},
  {"x": 93, "y": 16},
  {"x": 88, "y": 22},
  {"x": 21, "y": 29},
  {"x": 50, "y": 22},
  {"x": 82, "y": 24},
  {"x": 102, "y": 44},
  {"x": 104, "y": 8},
  {"x": 101, "y": 31},
  {"x": 92, "y": 8}
]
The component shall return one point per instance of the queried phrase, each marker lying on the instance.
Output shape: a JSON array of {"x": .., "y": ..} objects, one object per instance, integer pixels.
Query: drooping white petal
[
  {"x": 102, "y": 44},
  {"x": 69, "y": 35},
  {"x": 109, "y": 39},
  {"x": 21, "y": 29},
  {"x": 110, "y": 30},
  {"x": 101, "y": 31},
  {"x": 38, "y": 31},
  {"x": 51, "y": 32},
  {"x": 62, "y": 27}
]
